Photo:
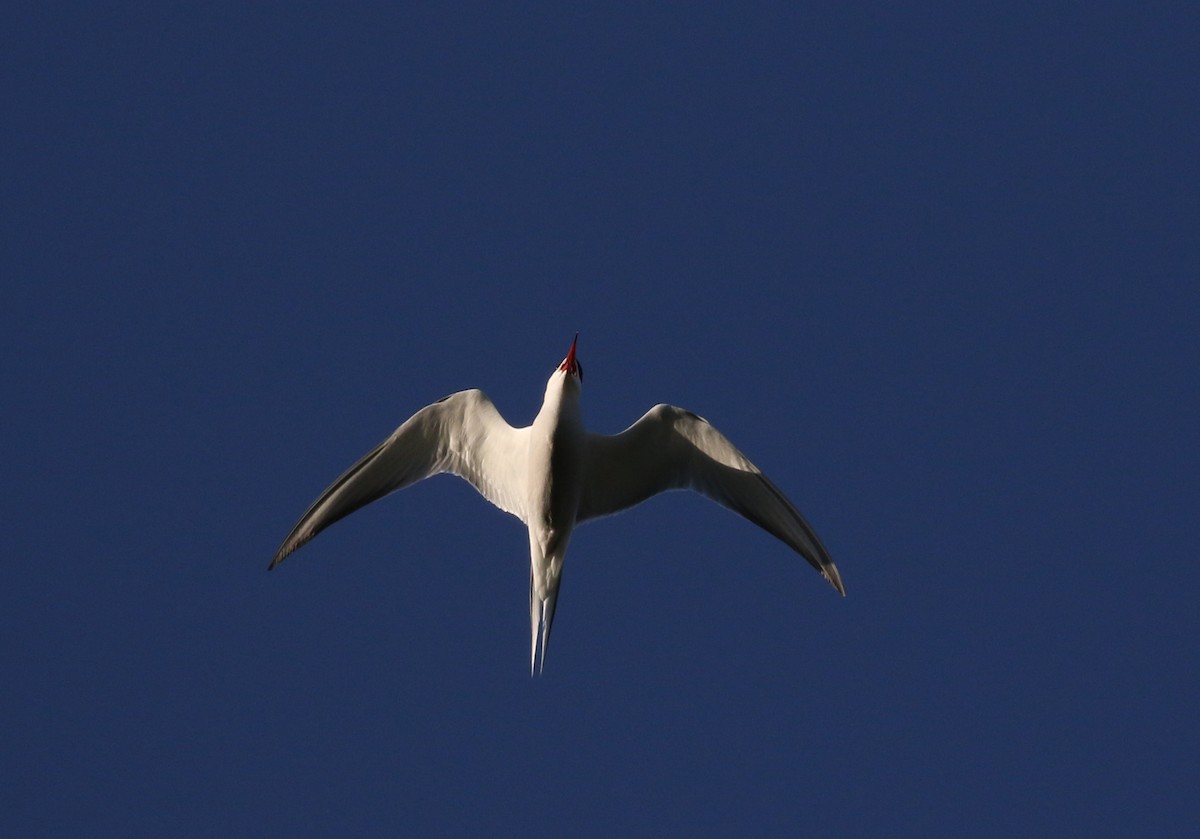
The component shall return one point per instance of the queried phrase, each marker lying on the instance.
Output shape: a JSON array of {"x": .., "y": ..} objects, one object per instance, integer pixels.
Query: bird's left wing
[
  {"x": 670, "y": 448},
  {"x": 462, "y": 434}
]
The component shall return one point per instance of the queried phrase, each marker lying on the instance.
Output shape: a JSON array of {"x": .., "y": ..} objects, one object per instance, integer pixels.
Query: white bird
[{"x": 554, "y": 475}]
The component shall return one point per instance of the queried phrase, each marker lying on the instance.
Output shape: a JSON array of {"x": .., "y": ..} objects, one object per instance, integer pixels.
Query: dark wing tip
[
  {"x": 830, "y": 573},
  {"x": 289, "y": 546}
]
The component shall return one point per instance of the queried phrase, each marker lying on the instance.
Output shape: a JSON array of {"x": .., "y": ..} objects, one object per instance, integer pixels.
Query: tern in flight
[{"x": 554, "y": 475}]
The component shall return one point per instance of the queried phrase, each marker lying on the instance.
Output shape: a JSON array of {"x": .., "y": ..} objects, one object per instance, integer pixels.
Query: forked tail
[{"x": 541, "y": 616}]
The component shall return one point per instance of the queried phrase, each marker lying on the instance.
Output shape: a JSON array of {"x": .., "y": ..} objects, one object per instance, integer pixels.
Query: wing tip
[
  {"x": 831, "y": 574},
  {"x": 285, "y": 550}
]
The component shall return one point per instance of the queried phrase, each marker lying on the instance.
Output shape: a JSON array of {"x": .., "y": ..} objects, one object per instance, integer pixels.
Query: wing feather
[
  {"x": 670, "y": 448},
  {"x": 462, "y": 434}
]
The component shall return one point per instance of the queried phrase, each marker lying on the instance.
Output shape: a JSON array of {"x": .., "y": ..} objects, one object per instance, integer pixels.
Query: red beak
[{"x": 570, "y": 364}]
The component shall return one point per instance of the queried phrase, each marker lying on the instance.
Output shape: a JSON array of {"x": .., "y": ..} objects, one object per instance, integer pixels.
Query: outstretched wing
[
  {"x": 670, "y": 448},
  {"x": 462, "y": 434}
]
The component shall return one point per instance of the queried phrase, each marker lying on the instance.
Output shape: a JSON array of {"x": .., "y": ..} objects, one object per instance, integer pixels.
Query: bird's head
[{"x": 570, "y": 365}]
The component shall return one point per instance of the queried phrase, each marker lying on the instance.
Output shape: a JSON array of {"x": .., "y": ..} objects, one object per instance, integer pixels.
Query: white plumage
[{"x": 554, "y": 475}]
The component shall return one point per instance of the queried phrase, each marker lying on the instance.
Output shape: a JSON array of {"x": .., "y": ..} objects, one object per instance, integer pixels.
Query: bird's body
[
  {"x": 556, "y": 454},
  {"x": 554, "y": 475}
]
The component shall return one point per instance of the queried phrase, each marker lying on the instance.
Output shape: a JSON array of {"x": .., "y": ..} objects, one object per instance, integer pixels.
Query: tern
[{"x": 554, "y": 475}]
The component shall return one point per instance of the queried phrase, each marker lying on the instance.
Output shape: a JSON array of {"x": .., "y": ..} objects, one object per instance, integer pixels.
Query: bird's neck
[{"x": 560, "y": 406}]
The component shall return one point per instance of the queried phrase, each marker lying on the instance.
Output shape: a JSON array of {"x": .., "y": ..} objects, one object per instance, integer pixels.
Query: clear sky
[{"x": 932, "y": 266}]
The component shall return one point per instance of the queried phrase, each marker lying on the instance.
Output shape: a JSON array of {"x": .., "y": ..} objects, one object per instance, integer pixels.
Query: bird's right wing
[
  {"x": 462, "y": 434},
  {"x": 670, "y": 448}
]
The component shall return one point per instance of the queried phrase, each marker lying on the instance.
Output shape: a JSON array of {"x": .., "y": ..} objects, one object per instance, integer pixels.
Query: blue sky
[{"x": 933, "y": 267}]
